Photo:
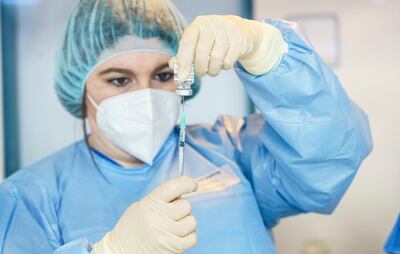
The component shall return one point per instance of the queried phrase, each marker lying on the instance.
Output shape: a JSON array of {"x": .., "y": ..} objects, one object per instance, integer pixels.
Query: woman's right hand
[{"x": 162, "y": 222}]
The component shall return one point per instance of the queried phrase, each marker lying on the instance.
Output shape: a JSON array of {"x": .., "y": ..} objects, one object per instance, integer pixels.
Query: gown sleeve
[
  {"x": 302, "y": 150},
  {"x": 392, "y": 245},
  {"x": 28, "y": 222}
]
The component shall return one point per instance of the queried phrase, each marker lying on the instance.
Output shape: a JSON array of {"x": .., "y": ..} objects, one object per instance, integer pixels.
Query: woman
[{"x": 113, "y": 193}]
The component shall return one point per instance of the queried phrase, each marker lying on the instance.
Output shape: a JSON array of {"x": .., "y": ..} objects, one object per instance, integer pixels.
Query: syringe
[
  {"x": 183, "y": 88},
  {"x": 182, "y": 134}
]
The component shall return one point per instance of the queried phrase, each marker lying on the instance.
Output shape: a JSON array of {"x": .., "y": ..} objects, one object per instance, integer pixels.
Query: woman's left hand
[{"x": 216, "y": 42}]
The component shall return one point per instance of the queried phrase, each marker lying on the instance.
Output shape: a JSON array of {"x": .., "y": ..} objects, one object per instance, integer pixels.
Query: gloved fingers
[
  {"x": 221, "y": 46},
  {"x": 179, "y": 228},
  {"x": 171, "y": 62},
  {"x": 186, "y": 226},
  {"x": 174, "y": 189},
  {"x": 178, "y": 209},
  {"x": 201, "y": 61},
  {"x": 215, "y": 66},
  {"x": 231, "y": 57},
  {"x": 186, "y": 51},
  {"x": 188, "y": 241},
  {"x": 204, "y": 47},
  {"x": 180, "y": 244},
  {"x": 233, "y": 53}
]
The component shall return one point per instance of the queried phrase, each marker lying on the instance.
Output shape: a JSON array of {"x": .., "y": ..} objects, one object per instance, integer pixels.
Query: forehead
[{"x": 135, "y": 60}]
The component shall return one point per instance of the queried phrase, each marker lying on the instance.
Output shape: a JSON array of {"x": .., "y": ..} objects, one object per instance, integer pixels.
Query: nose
[{"x": 142, "y": 83}]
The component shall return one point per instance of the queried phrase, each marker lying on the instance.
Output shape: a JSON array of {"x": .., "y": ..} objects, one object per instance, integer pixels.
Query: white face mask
[{"x": 138, "y": 122}]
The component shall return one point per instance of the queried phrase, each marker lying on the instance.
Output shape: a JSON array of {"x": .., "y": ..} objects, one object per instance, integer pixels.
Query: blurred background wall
[
  {"x": 366, "y": 43},
  {"x": 369, "y": 38}
]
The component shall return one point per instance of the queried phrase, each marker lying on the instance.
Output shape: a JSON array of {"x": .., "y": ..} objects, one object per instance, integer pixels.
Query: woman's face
[
  {"x": 121, "y": 74},
  {"x": 130, "y": 72}
]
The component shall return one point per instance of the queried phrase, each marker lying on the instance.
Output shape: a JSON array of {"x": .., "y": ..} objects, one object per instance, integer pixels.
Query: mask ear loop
[
  {"x": 87, "y": 140},
  {"x": 93, "y": 102}
]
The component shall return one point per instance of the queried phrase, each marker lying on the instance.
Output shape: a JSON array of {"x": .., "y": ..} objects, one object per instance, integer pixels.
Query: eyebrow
[
  {"x": 159, "y": 68},
  {"x": 119, "y": 70},
  {"x": 129, "y": 72}
]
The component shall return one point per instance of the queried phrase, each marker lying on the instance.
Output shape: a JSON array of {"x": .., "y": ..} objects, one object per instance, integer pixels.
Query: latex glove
[
  {"x": 215, "y": 42},
  {"x": 160, "y": 223}
]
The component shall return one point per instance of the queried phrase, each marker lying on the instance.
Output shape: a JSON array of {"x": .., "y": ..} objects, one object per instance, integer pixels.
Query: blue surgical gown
[
  {"x": 298, "y": 155},
  {"x": 392, "y": 245}
]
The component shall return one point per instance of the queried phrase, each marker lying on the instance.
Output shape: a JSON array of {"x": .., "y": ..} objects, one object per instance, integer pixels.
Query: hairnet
[{"x": 101, "y": 29}]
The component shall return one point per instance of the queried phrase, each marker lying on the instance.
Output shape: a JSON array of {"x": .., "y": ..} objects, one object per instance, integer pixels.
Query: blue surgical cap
[{"x": 101, "y": 29}]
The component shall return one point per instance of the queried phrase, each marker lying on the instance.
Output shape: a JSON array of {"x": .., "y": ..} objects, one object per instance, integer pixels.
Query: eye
[
  {"x": 119, "y": 82},
  {"x": 164, "y": 76}
]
